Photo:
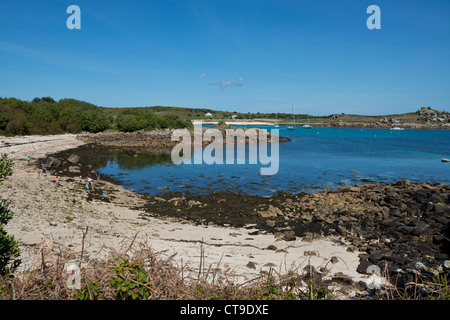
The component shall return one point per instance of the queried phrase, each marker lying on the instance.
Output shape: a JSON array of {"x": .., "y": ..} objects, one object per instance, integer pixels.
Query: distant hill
[
  {"x": 423, "y": 115},
  {"x": 200, "y": 113},
  {"x": 48, "y": 116}
]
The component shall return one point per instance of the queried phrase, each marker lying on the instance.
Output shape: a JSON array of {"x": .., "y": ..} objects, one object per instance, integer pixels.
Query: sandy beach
[{"x": 46, "y": 213}]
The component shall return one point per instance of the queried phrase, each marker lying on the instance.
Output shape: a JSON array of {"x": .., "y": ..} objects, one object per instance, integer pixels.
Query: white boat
[
  {"x": 307, "y": 126},
  {"x": 276, "y": 121},
  {"x": 397, "y": 128},
  {"x": 445, "y": 160},
  {"x": 291, "y": 127}
]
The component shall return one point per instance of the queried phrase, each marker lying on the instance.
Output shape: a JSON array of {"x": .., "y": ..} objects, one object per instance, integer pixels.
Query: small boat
[
  {"x": 291, "y": 127},
  {"x": 307, "y": 126},
  {"x": 445, "y": 160},
  {"x": 276, "y": 121},
  {"x": 397, "y": 128}
]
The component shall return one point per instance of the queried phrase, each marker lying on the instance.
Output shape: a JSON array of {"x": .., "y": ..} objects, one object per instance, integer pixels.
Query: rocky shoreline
[
  {"x": 380, "y": 125},
  {"x": 403, "y": 228},
  {"x": 154, "y": 139}
]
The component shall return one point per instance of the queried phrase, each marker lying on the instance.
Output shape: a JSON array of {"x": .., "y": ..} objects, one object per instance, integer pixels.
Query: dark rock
[
  {"x": 341, "y": 230},
  {"x": 52, "y": 162},
  {"x": 74, "y": 159},
  {"x": 403, "y": 183},
  {"x": 402, "y": 207},
  {"x": 374, "y": 258},
  {"x": 406, "y": 229},
  {"x": 441, "y": 208},
  {"x": 363, "y": 266},
  {"x": 309, "y": 269},
  {"x": 437, "y": 239},
  {"x": 289, "y": 236},
  {"x": 397, "y": 259},
  {"x": 392, "y": 198},
  {"x": 334, "y": 260},
  {"x": 421, "y": 196},
  {"x": 442, "y": 220},
  {"x": 420, "y": 231},
  {"x": 414, "y": 210},
  {"x": 397, "y": 280},
  {"x": 434, "y": 199},
  {"x": 428, "y": 206},
  {"x": 342, "y": 279},
  {"x": 393, "y": 223}
]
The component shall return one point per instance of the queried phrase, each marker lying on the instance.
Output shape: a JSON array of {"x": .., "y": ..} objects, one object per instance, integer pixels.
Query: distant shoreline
[{"x": 375, "y": 125}]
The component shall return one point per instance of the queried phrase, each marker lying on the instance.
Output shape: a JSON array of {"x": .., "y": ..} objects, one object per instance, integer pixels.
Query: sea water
[{"x": 314, "y": 160}]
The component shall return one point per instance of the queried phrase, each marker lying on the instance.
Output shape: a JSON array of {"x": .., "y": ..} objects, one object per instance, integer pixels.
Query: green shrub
[
  {"x": 131, "y": 282},
  {"x": 9, "y": 248}
]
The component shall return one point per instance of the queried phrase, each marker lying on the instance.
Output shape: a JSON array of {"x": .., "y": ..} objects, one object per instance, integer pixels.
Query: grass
[{"x": 133, "y": 271}]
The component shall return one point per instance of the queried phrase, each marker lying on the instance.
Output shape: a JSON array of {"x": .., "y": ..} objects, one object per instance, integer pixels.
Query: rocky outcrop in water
[{"x": 150, "y": 139}]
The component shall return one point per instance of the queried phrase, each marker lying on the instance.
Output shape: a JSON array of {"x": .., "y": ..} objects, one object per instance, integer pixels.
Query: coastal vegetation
[
  {"x": 45, "y": 115},
  {"x": 9, "y": 248}
]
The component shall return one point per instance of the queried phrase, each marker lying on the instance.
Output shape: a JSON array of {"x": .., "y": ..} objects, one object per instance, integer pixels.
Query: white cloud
[
  {"x": 224, "y": 84},
  {"x": 203, "y": 75}
]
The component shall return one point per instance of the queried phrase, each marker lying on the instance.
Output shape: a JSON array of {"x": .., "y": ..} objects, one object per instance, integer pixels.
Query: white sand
[{"x": 41, "y": 212}]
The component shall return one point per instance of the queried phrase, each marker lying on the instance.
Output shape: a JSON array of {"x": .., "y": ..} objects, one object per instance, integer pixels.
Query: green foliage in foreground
[{"x": 9, "y": 248}]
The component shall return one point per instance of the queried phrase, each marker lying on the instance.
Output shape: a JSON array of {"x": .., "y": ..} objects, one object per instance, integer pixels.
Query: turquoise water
[{"x": 315, "y": 159}]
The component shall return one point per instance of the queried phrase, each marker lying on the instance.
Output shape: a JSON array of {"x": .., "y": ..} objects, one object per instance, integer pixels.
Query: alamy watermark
[
  {"x": 238, "y": 138},
  {"x": 74, "y": 20},
  {"x": 374, "y": 21},
  {"x": 74, "y": 279},
  {"x": 375, "y": 280}
]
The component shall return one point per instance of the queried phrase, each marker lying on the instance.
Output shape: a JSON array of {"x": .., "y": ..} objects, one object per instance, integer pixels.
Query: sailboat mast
[{"x": 292, "y": 114}]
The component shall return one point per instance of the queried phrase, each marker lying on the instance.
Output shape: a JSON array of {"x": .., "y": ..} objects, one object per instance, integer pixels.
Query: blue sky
[{"x": 246, "y": 56}]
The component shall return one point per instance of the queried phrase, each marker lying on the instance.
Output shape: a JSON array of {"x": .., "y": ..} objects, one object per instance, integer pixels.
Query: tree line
[{"x": 47, "y": 116}]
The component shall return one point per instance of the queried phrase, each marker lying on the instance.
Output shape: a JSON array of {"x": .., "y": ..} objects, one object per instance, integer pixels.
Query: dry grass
[{"x": 134, "y": 271}]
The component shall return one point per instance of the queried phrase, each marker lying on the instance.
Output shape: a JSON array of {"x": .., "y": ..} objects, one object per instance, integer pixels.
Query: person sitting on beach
[
  {"x": 28, "y": 160},
  {"x": 57, "y": 181},
  {"x": 86, "y": 187},
  {"x": 44, "y": 170}
]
